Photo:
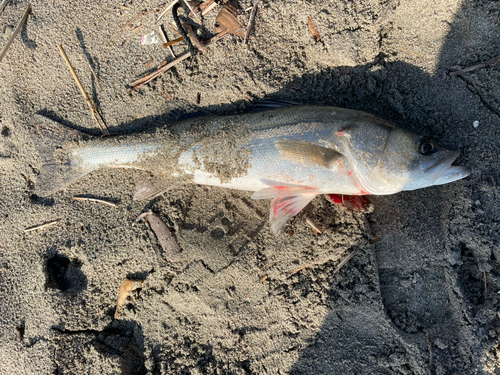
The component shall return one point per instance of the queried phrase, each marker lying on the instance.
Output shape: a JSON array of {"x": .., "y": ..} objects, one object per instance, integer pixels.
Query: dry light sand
[{"x": 412, "y": 303}]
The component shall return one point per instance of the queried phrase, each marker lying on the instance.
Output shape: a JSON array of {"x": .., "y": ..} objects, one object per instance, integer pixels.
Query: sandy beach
[{"x": 420, "y": 295}]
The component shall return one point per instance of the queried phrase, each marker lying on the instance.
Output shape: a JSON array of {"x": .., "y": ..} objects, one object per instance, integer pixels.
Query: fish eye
[{"x": 426, "y": 147}]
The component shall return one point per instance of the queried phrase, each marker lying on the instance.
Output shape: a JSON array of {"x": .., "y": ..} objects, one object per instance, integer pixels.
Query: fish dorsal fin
[
  {"x": 305, "y": 153},
  {"x": 269, "y": 104},
  {"x": 288, "y": 201}
]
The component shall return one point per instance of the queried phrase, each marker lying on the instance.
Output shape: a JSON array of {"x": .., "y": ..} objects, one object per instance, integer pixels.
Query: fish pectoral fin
[
  {"x": 288, "y": 201},
  {"x": 152, "y": 187},
  {"x": 305, "y": 153}
]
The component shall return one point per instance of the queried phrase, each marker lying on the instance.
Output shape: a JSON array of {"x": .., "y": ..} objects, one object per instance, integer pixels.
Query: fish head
[{"x": 388, "y": 159}]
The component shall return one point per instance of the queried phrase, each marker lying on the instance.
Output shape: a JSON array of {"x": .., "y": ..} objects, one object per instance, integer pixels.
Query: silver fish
[{"x": 289, "y": 154}]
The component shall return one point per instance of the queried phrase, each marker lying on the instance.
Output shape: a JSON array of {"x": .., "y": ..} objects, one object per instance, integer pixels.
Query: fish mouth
[{"x": 443, "y": 172}]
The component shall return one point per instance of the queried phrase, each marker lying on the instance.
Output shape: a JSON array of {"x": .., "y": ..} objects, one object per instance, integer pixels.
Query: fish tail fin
[{"x": 54, "y": 143}]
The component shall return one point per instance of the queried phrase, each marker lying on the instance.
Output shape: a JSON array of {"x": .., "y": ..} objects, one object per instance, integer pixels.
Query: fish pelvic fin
[
  {"x": 305, "y": 153},
  {"x": 288, "y": 201},
  {"x": 55, "y": 143}
]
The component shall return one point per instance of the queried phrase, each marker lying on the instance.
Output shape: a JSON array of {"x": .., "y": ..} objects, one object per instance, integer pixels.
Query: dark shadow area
[
  {"x": 28, "y": 42},
  {"x": 423, "y": 325},
  {"x": 95, "y": 67},
  {"x": 64, "y": 274},
  {"x": 121, "y": 339}
]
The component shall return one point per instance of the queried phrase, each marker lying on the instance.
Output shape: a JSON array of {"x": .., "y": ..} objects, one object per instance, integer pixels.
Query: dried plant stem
[
  {"x": 171, "y": 43},
  {"x": 16, "y": 31},
  {"x": 344, "y": 261},
  {"x": 41, "y": 226},
  {"x": 475, "y": 67},
  {"x": 208, "y": 8},
  {"x": 166, "y": 41},
  {"x": 95, "y": 114},
  {"x": 95, "y": 200},
  {"x": 313, "y": 225},
  {"x": 192, "y": 12},
  {"x": 142, "y": 81},
  {"x": 251, "y": 21}
]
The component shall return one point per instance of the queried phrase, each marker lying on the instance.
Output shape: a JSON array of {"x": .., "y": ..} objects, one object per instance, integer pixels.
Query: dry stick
[
  {"x": 191, "y": 11},
  {"x": 166, "y": 10},
  {"x": 198, "y": 8},
  {"x": 95, "y": 200},
  {"x": 346, "y": 259},
  {"x": 166, "y": 41},
  {"x": 313, "y": 225},
  {"x": 142, "y": 81},
  {"x": 167, "y": 94},
  {"x": 41, "y": 226},
  {"x": 475, "y": 67},
  {"x": 97, "y": 116},
  {"x": 171, "y": 43},
  {"x": 208, "y": 9},
  {"x": 251, "y": 21},
  {"x": 16, "y": 31}
]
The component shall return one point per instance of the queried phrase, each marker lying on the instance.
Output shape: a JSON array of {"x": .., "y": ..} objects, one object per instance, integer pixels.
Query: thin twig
[
  {"x": 2, "y": 5},
  {"x": 251, "y": 21},
  {"x": 191, "y": 11},
  {"x": 142, "y": 81},
  {"x": 16, "y": 31},
  {"x": 313, "y": 225},
  {"x": 166, "y": 10},
  {"x": 166, "y": 41},
  {"x": 171, "y": 43},
  {"x": 95, "y": 200},
  {"x": 41, "y": 226},
  {"x": 167, "y": 94},
  {"x": 95, "y": 114},
  {"x": 95, "y": 75},
  {"x": 475, "y": 67},
  {"x": 344, "y": 261}
]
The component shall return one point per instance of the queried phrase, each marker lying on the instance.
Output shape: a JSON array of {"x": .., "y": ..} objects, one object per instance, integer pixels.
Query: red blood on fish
[{"x": 350, "y": 202}]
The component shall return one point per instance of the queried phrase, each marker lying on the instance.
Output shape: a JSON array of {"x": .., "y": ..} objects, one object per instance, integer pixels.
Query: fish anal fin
[
  {"x": 299, "y": 152},
  {"x": 152, "y": 187},
  {"x": 288, "y": 201},
  {"x": 350, "y": 202}
]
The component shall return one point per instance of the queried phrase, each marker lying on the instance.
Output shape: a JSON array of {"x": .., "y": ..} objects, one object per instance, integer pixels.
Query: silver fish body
[{"x": 289, "y": 154}]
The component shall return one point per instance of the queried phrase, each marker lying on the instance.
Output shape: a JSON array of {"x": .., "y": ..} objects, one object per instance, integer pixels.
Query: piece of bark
[{"x": 312, "y": 29}]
